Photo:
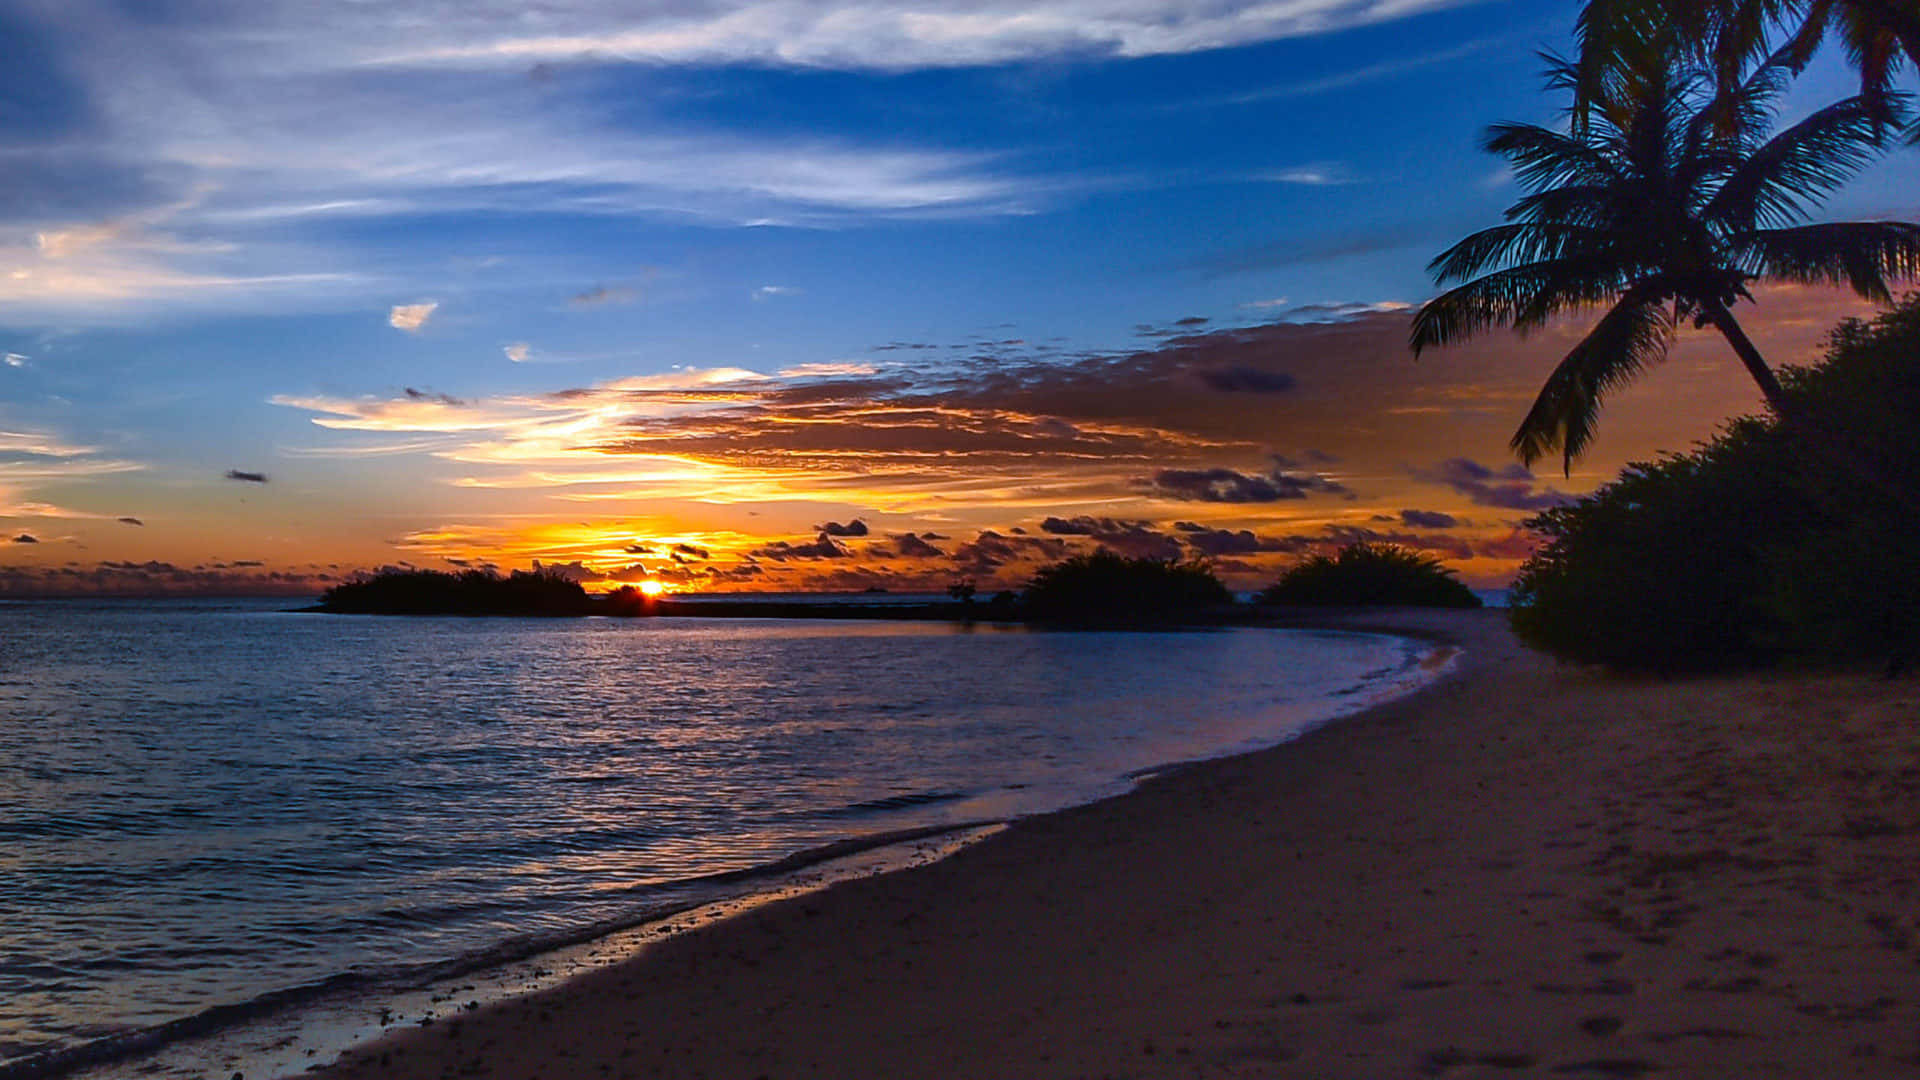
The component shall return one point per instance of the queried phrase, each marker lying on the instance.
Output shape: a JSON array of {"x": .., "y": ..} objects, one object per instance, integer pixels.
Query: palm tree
[
  {"x": 1655, "y": 210},
  {"x": 1876, "y": 36}
]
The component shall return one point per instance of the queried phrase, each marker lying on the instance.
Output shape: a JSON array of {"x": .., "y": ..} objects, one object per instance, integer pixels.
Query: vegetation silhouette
[
  {"x": 1729, "y": 36},
  {"x": 1367, "y": 574},
  {"x": 1651, "y": 209},
  {"x": 1741, "y": 552},
  {"x": 472, "y": 592},
  {"x": 1105, "y": 589}
]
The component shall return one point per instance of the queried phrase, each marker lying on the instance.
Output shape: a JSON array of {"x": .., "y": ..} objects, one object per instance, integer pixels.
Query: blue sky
[{"x": 226, "y": 221}]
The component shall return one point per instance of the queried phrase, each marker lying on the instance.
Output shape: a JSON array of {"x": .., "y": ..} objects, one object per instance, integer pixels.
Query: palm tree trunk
[{"x": 1834, "y": 446}]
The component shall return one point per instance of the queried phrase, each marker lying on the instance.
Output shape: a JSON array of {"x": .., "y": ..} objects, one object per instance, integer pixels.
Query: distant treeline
[
  {"x": 472, "y": 592},
  {"x": 1097, "y": 589}
]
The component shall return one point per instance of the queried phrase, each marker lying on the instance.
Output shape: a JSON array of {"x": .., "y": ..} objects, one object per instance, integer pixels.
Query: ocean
[{"x": 222, "y": 810}]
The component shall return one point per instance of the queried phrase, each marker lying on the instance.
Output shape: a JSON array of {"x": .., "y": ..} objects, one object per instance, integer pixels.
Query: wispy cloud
[
  {"x": 882, "y": 34},
  {"x": 1319, "y": 174}
]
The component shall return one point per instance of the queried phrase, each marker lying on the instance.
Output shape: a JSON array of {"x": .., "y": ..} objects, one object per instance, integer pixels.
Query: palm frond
[
  {"x": 1521, "y": 297},
  {"x": 1861, "y": 255},
  {"x": 1519, "y": 242},
  {"x": 1876, "y": 36},
  {"x": 1796, "y": 168},
  {"x": 1576, "y": 204},
  {"x": 1633, "y": 335},
  {"x": 1544, "y": 158}
]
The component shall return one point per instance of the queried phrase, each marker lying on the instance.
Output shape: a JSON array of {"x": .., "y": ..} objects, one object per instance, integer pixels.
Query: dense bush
[
  {"x": 1371, "y": 575},
  {"x": 1104, "y": 588},
  {"x": 1767, "y": 543},
  {"x": 474, "y": 592}
]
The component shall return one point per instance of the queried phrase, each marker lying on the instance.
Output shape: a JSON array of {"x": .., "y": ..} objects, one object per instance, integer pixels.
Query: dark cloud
[
  {"x": 909, "y": 546},
  {"x": 1224, "y": 485},
  {"x": 1062, "y": 527},
  {"x": 1245, "y": 379},
  {"x": 1192, "y": 320},
  {"x": 856, "y": 527},
  {"x": 130, "y": 521},
  {"x": 1428, "y": 519},
  {"x": 989, "y": 551},
  {"x": 692, "y": 549},
  {"x": 155, "y": 578},
  {"x": 1508, "y": 488},
  {"x": 26, "y": 538},
  {"x": 575, "y": 571},
  {"x": 1452, "y": 547},
  {"x": 1137, "y": 539},
  {"x": 603, "y": 294},
  {"x": 823, "y": 547},
  {"x": 638, "y": 548},
  {"x": 247, "y": 477},
  {"x": 429, "y": 395},
  {"x": 1218, "y": 542},
  {"x": 934, "y": 536}
]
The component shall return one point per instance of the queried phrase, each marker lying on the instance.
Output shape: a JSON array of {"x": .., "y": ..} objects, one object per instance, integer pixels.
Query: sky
[{"x": 778, "y": 294}]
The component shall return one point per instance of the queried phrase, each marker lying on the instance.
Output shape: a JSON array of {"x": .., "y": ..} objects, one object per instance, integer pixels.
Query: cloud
[
  {"x": 767, "y": 292},
  {"x": 693, "y": 550},
  {"x": 1428, "y": 519},
  {"x": 885, "y": 35},
  {"x": 575, "y": 571},
  {"x": 1510, "y": 487},
  {"x": 1221, "y": 542},
  {"x": 1137, "y": 539},
  {"x": 26, "y": 538},
  {"x": 15, "y": 360},
  {"x": 601, "y": 295},
  {"x": 827, "y": 369},
  {"x": 909, "y": 546},
  {"x": 856, "y": 527},
  {"x": 1322, "y": 174},
  {"x": 411, "y": 317},
  {"x": 130, "y": 521},
  {"x": 823, "y": 547},
  {"x": 155, "y": 578},
  {"x": 1224, "y": 485},
  {"x": 247, "y": 477},
  {"x": 518, "y": 352},
  {"x": 431, "y": 395},
  {"x": 1243, "y": 378}
]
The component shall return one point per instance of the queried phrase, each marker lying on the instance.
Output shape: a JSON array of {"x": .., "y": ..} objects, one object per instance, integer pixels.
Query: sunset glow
[{"x": 885, "y": 303}]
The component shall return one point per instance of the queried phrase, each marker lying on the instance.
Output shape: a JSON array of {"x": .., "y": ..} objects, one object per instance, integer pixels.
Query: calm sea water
[{"x": 202, "y": 803}]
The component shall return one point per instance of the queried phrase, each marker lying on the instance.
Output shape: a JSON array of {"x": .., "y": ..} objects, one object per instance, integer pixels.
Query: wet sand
[{"x": 1526, "y": 870}]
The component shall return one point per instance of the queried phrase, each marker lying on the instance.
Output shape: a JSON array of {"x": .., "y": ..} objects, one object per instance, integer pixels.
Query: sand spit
[{"x": 1526, "y": 870}]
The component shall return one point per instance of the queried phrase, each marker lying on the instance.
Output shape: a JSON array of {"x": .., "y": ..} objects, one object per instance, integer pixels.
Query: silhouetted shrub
[
  {"x": 1366, "y": 574},
  {"x": 473, "y": 592},
  {"x": 1104, "y": 588},
  {"x": 1763, "y": 544}
]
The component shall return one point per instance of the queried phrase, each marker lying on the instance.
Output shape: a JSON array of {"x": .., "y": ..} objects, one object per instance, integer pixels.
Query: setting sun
[{"x": 652, "y": 588}]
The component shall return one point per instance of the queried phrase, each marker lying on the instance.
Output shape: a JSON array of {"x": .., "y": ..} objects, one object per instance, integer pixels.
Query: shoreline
[
  {"x": 285, "y": 1032},
  {"x": 1518, "y": 870}
]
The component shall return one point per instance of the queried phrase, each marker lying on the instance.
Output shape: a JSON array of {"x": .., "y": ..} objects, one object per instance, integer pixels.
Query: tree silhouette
[
  {"x": 1654, "y": 209},
  {"x": 1877, "y": 37}
]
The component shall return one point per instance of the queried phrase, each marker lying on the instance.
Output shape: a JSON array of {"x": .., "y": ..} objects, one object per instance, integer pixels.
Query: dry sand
[{"x": 1527, "y": 870}]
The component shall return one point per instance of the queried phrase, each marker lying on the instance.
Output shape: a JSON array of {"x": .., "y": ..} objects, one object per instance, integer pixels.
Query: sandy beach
[{"x": 1525, "y": 870}]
